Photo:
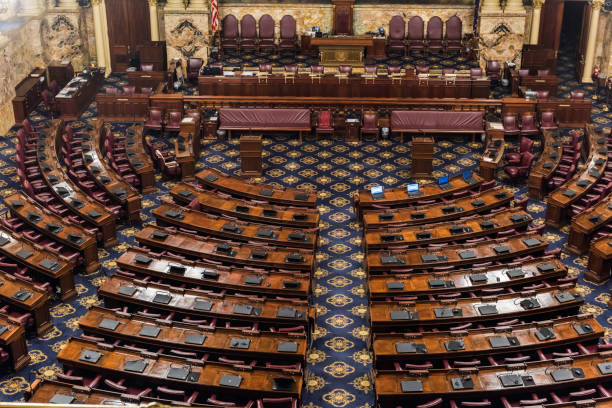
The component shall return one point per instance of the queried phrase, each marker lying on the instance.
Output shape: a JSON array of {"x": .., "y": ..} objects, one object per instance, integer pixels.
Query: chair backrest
[
  {"x": 523, "y": 72},
  {"x": 577, "y": 94},
  {"x": 230, "y": 26},
  {"x": 129, "y": 90},
  {"x": 493, "y": 65},
  {"x": 509, "y": 121},
  {"x": 434, "y": 28},
  {"x": 155, "y": 115},
  {"x": 146, "y": 67},
  {"x": 542, "y": 72},
  {"x": 287, "y": 28},
  {"x": 194, "y": 64},
  {"x": 394, "y": 69},
  {"x": 266, "y": 27},
  {"x": 110, "y": 90},
  {"x": 248, "y": 27},
  {"x": 175, "y": 117},
  {"x": 292, "y": 68},
  {"x": 547, "y": 117},
  {"x": 146, "y": 90},
  {"x": 369, "y": 69},
  {"x": 475, "y": 72},
  {"x": 369, "y": 119},
  {"x": 543, "y": 93},
  {"x": 415, "y": 28},
  {"x": 46, "y": 95},
  {"x": 265, "y": 67},
  {"x": 422, "y": 69},
  {"x": 526, "y": 143},
  {"x": 397, "y": 28},
  {"x": 454, "y": 28},
  {"x": 345, "y": 69},
  {"x": 526, "y": 159},
  {"x": 27, "y": 126},
  {"x": 446, "y": 71},
  {"x": 325, "y": 118},
  {"x": 317, "y": 69}
]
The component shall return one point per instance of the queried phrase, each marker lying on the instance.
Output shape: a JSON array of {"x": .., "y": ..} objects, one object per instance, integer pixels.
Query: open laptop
[
  {"x": 413, "y": 190},
  {"x": 468, "y": 178},
  {"x": 377, "y": 193},
  {"x": 443, "y": 183}
]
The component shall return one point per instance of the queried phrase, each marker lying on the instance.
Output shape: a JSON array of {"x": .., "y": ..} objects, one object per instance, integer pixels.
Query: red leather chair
[
  {"x": 169, "y": 169},
  {"x": 129, "y": 90},
  {"x": 146, "y": 67},
  {"x": 288, "y": 35},
  {"x": 370, "y": 69},
  {"x": 266, "y": 33},
  {"x": 522, "y": 170},
  {"x": 422, "y": 69},
  {"x": 547, "y": 121},
  {"x": 493, "y": 70},
  {"x": 416, "y": 42},
  {"x": 193, "y": 68},
  {"x": 317, "y": 69},
  {"x": 454, "y": 32},
  {"x": 447, "y": 71},
  {"x": 523, "y": 72},
  {"x": 394, "y": 69},
  {"x": 173, "y": 124},
  {"x": 577, "y": 94},
  {"x": 54, "y": 87},
  {"x": 528, "y": 125},
  {"x": 111, "y": 90},
  {"x": 248, "y": 33},
  {"x": 397, "y": 33},
  {"x": 543, "y": 94},
  {"x": 475, "y": 73},
  {"x": 510, "y": 126},
  {"x": 434, "y": 34},
  {"x": 146, "y": 90},
  {"x": 515, "y": 157},
  {"x": 345, "y": 69},
  {"x": 265, "y": 67},
  {"x": 49, "y": 102},
  {"x": 560, "y": 177},
  {"x": 369, "y": 123},
  {"x": 229, "y": 33},
  {"x": 154, "y": 120},
  {"x": 324, "y": 123},
  {"x": 543, "y": 72}
]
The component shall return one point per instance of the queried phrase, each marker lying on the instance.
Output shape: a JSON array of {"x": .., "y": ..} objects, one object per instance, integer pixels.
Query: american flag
[{"x": 215, "y": 16}]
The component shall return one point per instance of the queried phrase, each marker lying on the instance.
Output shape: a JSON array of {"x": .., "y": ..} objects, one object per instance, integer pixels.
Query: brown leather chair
[
  {"x": 288, "y": 34},
  {"x": 111, "y": 90},
  {"x": 475, "y": 73},
  {"x": 193, "y": 67},
  {"x": 370, "y": 69},
  {"x": 577, "y": 94},
  {"x": 528, "y": 125},
  {"x": 154, "y": 120},
  {"x": 543, "y": 72},
  {"x": 397, "y": 33},
  {"x": 523, "y": 72},
  {"x": 173, "y": 124},
  {"x": 394, "y": 69},
  {"x": 511, "y": 126},
  {"x": 493, "y": 70},
  {"x": 146, "y": 67},
  {"x": 265, "y": 68},
  {"x": 434, "y": 34},
  {"x": 416, "y": 41},
  {"x": 248, "y": 33},
  {"x": 129, "y": 90},
  {"x": 369, "y": 124},
  {"x": 454, "y": 33},
  {"x": 229, "y": 33},
  {"x": 146, "y": 90},
  {"x": 345, "y": 69},
  {"x": 446, "y": 71},
  {"x": 543, "y": 94},
  {"x": 422, "y": 69},
  {"x": 547, "y": 121},
  {"x": 266, "y": 33},
  {"x": 324, "y": 123}
]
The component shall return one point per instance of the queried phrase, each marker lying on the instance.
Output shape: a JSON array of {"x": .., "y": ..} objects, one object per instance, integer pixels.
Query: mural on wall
[
  {"x": 187, "y": 38},
  {"x": 61, "y": 39},
  {"x": 501, "y": 39}
]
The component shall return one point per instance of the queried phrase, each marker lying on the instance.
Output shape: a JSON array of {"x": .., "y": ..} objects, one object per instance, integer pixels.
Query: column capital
[
  {"x": 152, "y": 3},
  {"x": 96, "y": 2},
  {"x": 490, "y": 6},
  {"x": 538, "y": 3},
  {"x": 597, "y": 4},
  {"x": 514, "y": 6}
]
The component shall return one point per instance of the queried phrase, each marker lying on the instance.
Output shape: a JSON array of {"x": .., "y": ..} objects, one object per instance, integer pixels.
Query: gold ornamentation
[{"x": 597, "y": 4}]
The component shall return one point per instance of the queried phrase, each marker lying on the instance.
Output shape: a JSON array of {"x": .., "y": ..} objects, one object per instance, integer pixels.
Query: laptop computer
[
  {"x": 443, "y": 183},
  {"x": 377, "y": 192},
  {"x": 413, "y": 190},
  {"x": 468, "y": 177}
]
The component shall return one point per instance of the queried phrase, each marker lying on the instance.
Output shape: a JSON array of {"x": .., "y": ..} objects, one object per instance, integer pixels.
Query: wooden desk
[
  {"x": 122, "y": 193},
  {"x": 251, "y": 155},
  {"x": 139, "y": 159},
  {"x": 450, "y": 255},
  {"x": 209, "y": 276},
  {"x": 600, "y": 261},
  {"x": 28, "y": 94},
  {"x": 466, "y": 280},
  {"x": 486, "y": 380},
  {"x": 256, "y": 383},
  {"x": 422, "y": 156},
  {"x": 338, "y": 50},
  {"x": 476, "y": 342},
  {"x": 185, "y": 157},
  {"x": 172, "y": 214},
  {"x": 37, "y": 304},
  {"x": 69, "y": 234},
  {"x": 67, "y": 192},
  {"x": 219, "y": 181},
  {"x": 438, "y": 212},
  {"x": 546, "y": 165},
  {"x": 193, "y": 245},
  {"x": 204, "y": 304},
  {"x": 586, "y": 224},
  {"x": 494, "y": 152},
  {"x": 122, "y": 108},
  {"x": 13, "y": 341},
  {"x": 35, "y": 257},
  {"x": 398, "y": 197},
  {"x": 423, "y": 313},
  {"x": 423, "y": 235},
  {"x": 537, "y": 83},
  {"x": 72, "y": 105},
  {"x": 263, "y": 345},
  {"x": 148, "y": 79},
  {"x": 61, "y": 72},
  {"x": 558, "y": 202},
  {"x": 246, "y": 210}
]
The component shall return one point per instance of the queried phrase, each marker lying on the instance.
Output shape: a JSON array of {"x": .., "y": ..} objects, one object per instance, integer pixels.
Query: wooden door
[
  {"x": 128, "y": 27},
  {"x": 551, "y": 21},
  {"x": 343, "y": 17},
  {"x": 584, "y": 39}
]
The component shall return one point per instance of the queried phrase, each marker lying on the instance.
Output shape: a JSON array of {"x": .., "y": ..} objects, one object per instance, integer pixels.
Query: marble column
[
  {"x": 589, "y": 58},
  {"x": 490, "y": 6},
  {"x": 175, "y": 5},
  {"x": 198, "y": 5},
  {"x": 31, "y": 8},
  {"x": 154, "y": 20},
  {"x": 68, "y": 4},
  {"x": 536, "y": 13},
  {"x": 514, "y": 6},
  {"x": 97, "y": 17}
]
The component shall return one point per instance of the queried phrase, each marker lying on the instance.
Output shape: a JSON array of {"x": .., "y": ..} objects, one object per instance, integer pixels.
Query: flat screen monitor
[
  {"x": 376, "y": 190},
  {"x": 467, "y": 175},
  {"x": 443, "y": 180},
  {"x": 412, "y": 187}
]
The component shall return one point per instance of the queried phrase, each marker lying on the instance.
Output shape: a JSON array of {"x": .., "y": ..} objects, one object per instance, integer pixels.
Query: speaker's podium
[
  {"x": 422, "y": 156},
  {"x": 250, "y": 155}
]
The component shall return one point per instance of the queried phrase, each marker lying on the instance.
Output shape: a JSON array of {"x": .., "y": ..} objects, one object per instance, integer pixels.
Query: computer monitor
[
  {"x": 412, "y": 187},
  {"x": 443, "y": 180},
  {"x": 376, "y": 190},
  {"x": 467, "y": 175}
]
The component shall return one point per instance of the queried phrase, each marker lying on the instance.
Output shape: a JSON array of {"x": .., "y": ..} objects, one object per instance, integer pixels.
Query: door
[
  {"x": 343, "y": 17},
  {"x": 584, "y": 39},
  {"x": 551, "y": 21},
  {"x": 128, "y": 27}
]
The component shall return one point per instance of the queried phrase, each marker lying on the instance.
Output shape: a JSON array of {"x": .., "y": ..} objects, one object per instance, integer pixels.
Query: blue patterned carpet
[{"x": 340, "y": 361}]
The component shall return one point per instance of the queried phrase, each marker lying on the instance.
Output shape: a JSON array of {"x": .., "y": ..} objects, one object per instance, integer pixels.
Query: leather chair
[
  {"x": 193, "y": 68},
  {"x": 369, "y": 124},
  {"x": 147, "y": 90},
  {"x": 523, "y": 72},
  {"x": 416, "y": 41},
  {"x": 248, "y": 33},
  {"x": 434, "y": 34},
  {"x": 528, "y": 125},
  {"x": 547, "y": 121},
  {"x": 397, "y": 33},
  {"x": 515, "y": 158},
  {"x": 346, "y": 70},
  {"x": 510, "y": 126},
  {"x": 370, "y": 70},
  {"x": 154, "y": 120},
  {"x": 229, "y": 33},
  {"x": 522, "y": 170},
  {"x": 266, "y": 33},
  {"x": 111, "y": 90},
  {"x": 173, "y": 124},
  {"x": 324, "y": 123},
  {"x": 284, "y": 402},
  {"x": 475, "y": 73},
  {"x": 288, "y": 36},
  {"x": 422, "y": 69},
  {"x": 146, "y": 67},
  {"x": 394, "y": 69},
  {"x": 49, "y": 102},
  {"x": 54, "y": 87},
  {"x": 577, "y": 94},
  {"x": 317, "y": 71},
  {"x": 493, "y": 70},
  {"x": 543, "y": 94},
  {"x": 265, "y": 68},
  {"x": 447, "y": 71},
  {"x": 169, "y": 169},
  {"x": 291, "y": 72},
  {"x": 543, "y": 72},
  {"x": 129, "y": 90},
  {"x": 454, "y": 32}
]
